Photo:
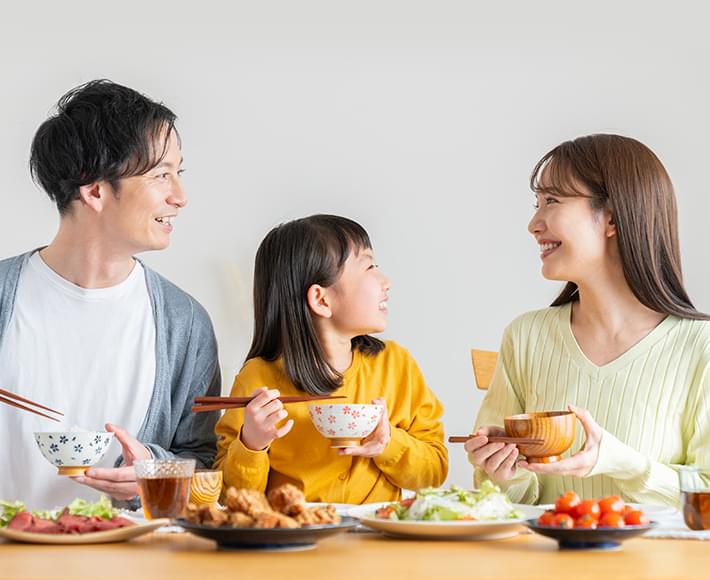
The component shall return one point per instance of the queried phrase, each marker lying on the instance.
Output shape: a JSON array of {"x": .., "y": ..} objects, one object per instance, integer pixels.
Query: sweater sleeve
[
  {"x": 194, "y": 435},
  {"x": 647, "y": 481},
  {"x": 242, "y": 467},
  {"x": 504, "y": 398},
  {"x": 416, "y": 455}
]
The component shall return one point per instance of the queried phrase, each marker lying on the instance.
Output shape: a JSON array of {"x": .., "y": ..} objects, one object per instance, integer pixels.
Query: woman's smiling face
[{"x": 574, "y": 238}]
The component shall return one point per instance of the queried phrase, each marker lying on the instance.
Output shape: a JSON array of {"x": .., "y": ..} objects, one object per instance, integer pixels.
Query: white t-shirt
[{"x": 87, "y": 353}]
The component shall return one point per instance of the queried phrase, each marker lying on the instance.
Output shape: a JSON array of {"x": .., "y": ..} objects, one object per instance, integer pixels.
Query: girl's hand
[
  {"x": 496, "y": 459},
  {"x": 374, "y": 444},
  {"x": 260, "y": 418},
  {"x": 582, "y": 462}
]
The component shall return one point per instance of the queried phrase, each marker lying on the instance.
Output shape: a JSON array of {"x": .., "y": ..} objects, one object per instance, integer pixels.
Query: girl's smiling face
[
  {"x": 358, "y": 299},
  {"x": 574, "y": 238}
]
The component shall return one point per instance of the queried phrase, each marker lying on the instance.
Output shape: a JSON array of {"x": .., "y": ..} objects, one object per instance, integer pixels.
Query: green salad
[{"x": 452, "y": 504}]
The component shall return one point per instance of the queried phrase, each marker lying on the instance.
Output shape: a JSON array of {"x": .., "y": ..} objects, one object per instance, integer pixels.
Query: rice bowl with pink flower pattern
[{"x": 345, "y": 424}]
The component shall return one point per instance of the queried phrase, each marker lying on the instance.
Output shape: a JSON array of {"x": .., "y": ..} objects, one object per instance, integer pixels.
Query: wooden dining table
[{"x": 354, "y": 555}]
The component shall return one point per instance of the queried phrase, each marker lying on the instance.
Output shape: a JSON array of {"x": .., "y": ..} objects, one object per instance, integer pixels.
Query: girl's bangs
[{"x": 347, "y": 237}]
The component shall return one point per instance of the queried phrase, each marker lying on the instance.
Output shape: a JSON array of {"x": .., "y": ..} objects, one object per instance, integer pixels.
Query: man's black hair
[{"x": 102, "y": 131}]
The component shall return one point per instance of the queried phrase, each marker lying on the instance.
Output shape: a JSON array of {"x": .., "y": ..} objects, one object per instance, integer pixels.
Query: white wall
[{"x": 421, "y": 120}]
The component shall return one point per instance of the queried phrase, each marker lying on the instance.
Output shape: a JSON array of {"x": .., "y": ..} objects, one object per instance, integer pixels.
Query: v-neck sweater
[{"x": 653, "y": 403}]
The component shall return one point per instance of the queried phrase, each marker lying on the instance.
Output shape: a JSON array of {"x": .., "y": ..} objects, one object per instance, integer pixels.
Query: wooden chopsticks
[
  {"x": 10, "y": 399},
  {"x": 499, "y": 439},
  {"x": 217, "y": 403}
]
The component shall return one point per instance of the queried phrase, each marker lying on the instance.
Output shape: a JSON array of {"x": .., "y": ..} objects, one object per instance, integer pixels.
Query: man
[{"x": 86, "y": 328}]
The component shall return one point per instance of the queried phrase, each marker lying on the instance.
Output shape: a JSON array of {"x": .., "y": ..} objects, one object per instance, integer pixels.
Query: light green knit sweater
[{"x": 653, "y": 403}]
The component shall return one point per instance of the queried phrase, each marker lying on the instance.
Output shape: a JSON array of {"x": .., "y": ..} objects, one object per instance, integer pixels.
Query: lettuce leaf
[
  {"x": 439, "y": 513},
  {"x": 101, "y": 508},
  {"x": 8, "y": 511}
]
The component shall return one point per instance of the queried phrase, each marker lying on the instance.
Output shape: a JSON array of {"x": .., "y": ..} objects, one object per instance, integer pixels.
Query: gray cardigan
[{"x": 186, "y": 366}]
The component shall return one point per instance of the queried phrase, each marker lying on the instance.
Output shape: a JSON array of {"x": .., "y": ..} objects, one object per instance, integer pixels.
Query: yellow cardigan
[
  {"x": 415, "y": 457},
  {"x": 653, "y": 403}
]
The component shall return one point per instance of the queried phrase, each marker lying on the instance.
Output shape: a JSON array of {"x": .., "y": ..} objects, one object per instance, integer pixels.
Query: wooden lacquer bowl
[{"x": 555, "y": 428}]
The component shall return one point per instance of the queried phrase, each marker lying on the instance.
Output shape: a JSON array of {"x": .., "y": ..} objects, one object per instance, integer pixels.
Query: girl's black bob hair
[{"x": 291, "y": 258}]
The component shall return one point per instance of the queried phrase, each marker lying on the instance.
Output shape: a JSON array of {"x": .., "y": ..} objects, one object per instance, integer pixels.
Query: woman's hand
[
  {"x": 496, "y": 459},
  {"x": 374, "y": 444},
  {"x": 118, "y": 482},
  {"x": 581, "y": 463},
  {"x": 261, "y": 416}
]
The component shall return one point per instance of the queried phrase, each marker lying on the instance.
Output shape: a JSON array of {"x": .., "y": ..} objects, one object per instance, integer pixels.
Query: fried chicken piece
[
  {"x": 208, "y": 515},
  {"x": 318, "y": 516},
  {"x": 287, "y": 499},
  {"x": 240, "y": 520},
  {"x": 192, "y": 514},
  {"x": 274, "y": 520},
  {"x": 213, "y": 515},
  {"x": 248, "y": 501}
]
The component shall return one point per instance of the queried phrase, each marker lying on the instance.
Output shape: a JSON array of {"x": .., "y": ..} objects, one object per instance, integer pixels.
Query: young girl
[
  {"x": 318, "y": 294},
  {"x": 622, "y": 345}
]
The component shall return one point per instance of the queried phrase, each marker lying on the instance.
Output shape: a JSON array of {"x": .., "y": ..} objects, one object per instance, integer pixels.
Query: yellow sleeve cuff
[
  {"x": 396, "y": 447},
  {"x": 245, "y": 467}
]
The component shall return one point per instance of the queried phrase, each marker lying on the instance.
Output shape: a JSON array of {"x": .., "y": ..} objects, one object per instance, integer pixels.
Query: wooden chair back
[{"x": 484, "y": 363}]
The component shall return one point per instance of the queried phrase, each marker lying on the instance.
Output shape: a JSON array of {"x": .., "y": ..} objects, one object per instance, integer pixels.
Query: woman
[{"x": 622, "y": 346}]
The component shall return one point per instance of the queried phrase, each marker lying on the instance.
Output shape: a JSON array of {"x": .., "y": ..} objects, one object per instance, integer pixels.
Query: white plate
[{"x": 475, "y": 530}]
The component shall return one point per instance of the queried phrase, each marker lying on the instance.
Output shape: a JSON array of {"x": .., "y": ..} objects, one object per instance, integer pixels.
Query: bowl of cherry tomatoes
[{"x": 591, "y": 524}]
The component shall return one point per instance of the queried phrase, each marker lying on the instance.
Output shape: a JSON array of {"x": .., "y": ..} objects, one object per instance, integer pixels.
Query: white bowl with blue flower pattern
[{"x": 73, "y": 452}]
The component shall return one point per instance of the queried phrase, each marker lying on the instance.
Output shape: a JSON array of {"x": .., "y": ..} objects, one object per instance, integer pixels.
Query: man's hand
[{"x": 118, "y": 482}]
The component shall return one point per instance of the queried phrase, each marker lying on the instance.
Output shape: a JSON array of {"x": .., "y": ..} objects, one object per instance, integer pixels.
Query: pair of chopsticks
[
  {"x": 499, "y": 439},
  {"x": 11, "y": 399},
  {"x": 217, "y": 403}
]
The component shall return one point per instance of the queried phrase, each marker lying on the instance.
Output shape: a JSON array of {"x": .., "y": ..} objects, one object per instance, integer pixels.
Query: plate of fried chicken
[{"x": 280, "y": 520}]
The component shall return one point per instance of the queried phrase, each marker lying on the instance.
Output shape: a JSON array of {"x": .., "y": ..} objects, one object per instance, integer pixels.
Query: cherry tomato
[
  {"x": 586, "y": 521},
  {"x": 612, "y": 520},
  {"x": 407, "y": 502},
  {"x": 563, "y": 521},
  {"x": 627, "y": 509},
  {"x": 546, "y": 519},
  {"x": 636, "y": 518},
  {"x": 567, "y": 502},
  {"x": 611, "y": 504},
  {"x": 384, "y": 512},
  {"x": 587, "y": 507}
]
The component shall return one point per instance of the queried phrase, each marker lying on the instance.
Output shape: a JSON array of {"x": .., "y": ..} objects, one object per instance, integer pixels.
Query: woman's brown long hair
[{"x": 625, "y": 177}]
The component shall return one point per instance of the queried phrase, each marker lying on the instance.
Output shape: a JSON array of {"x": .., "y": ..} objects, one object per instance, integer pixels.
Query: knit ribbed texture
[{"x": 653, "y": 403}]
